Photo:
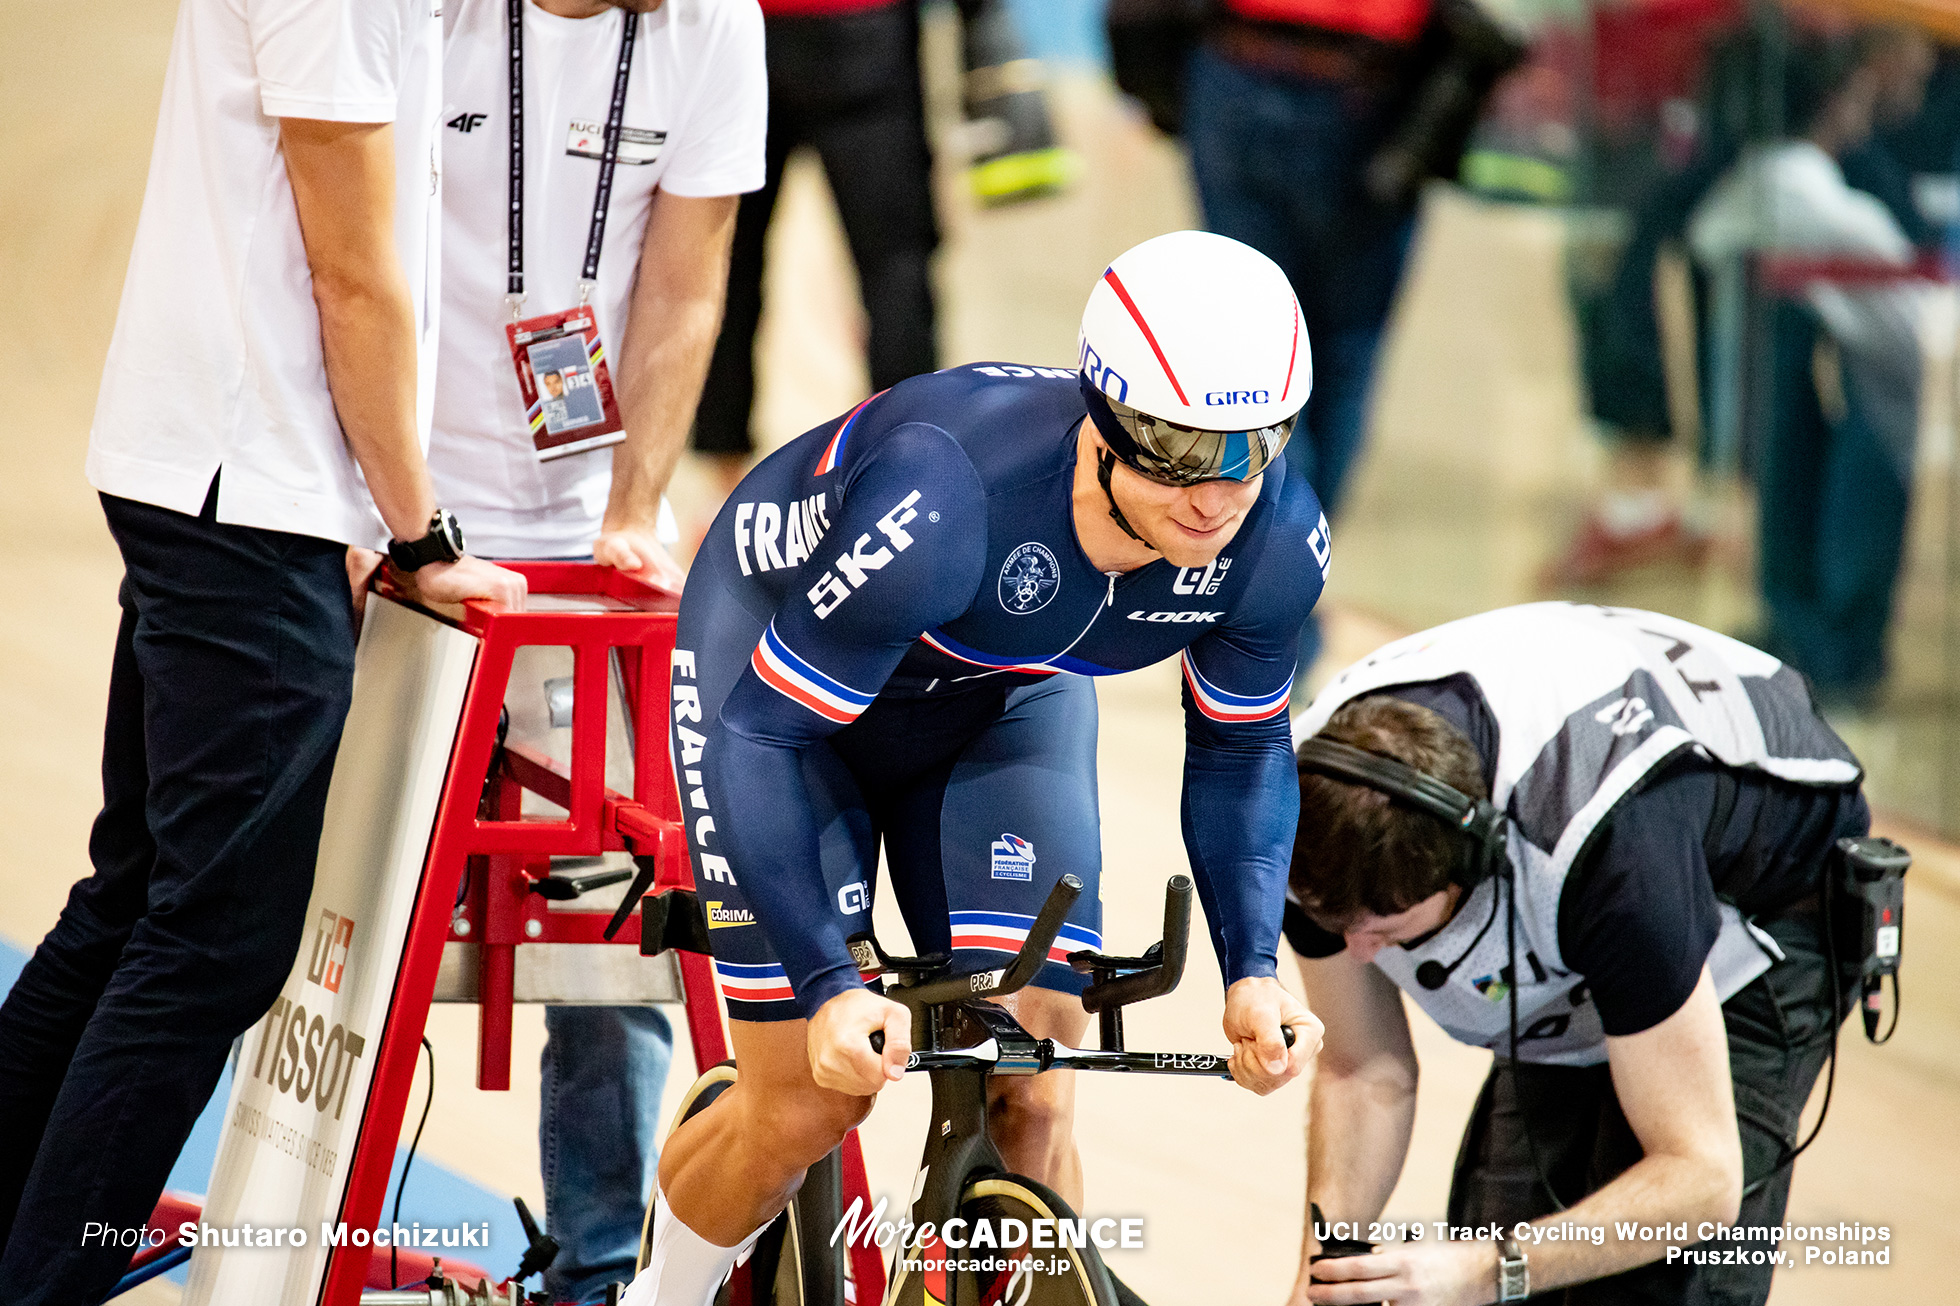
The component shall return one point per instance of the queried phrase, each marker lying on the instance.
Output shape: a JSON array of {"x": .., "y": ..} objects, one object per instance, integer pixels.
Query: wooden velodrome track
[{"x": 1477, "y": 463}]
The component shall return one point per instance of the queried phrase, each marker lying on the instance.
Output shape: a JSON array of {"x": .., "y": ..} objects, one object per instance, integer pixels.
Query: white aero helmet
[{"x": 1193, "y": 359}]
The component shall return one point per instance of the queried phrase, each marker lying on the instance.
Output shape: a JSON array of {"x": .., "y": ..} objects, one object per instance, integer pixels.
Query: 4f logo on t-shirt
[
  {"x": 466, "y": 122},
  {"x": 857, "y": 562}
]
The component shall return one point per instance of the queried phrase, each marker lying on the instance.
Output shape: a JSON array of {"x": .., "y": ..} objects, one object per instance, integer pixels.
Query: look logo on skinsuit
[
  {"x": 1029, "y": 578},
  {"x": 1013, "y": 858}
]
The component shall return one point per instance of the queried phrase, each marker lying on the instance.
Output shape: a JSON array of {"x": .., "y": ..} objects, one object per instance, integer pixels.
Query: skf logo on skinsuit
[
  {"x": 1179, "y": 618},
  {"x": 1102, "y": 376},
  {"x": 857, "y": 565},
  {"x": 1013, "y": 858},
  {"x": 330, "y": 944},
  {"x": 801, "y": 525},
  {"x": 1226, "y": 398},
  {"x": 690, "y": 743},
  {"x": 1029, "y": 578},
  {"x": 853, "y": 898},
  {"x": 727, "y": 918},
  {"x": 1201, "y": 580}
]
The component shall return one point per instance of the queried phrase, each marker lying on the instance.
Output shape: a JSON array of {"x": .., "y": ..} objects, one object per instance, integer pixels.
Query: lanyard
[{"x": 595, "y": 237}]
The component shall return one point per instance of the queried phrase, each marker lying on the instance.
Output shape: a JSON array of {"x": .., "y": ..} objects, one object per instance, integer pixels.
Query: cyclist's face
[
  {"x": 1190, "y": 525},
  {"x": 1369, "y": 934}
]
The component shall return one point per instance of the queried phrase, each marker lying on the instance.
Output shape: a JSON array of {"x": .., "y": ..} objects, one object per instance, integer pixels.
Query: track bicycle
[{"x": 961, "y": 1037}]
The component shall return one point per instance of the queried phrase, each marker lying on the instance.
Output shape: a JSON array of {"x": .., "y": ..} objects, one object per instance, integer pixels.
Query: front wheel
[{"x": 931, "y": 1273}]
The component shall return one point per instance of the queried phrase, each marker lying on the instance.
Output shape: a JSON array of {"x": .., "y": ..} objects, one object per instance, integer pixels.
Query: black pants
[
  {"x": 1779, "y": 1037},
  {"x": 847, "y": 85},
  {"x": 232, "y": 674}
]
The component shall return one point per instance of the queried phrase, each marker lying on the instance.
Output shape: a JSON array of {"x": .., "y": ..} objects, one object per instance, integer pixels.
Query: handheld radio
[{"x": 1874, "y": 886}]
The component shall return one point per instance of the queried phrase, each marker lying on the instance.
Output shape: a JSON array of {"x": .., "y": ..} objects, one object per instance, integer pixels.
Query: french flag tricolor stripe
[
  {"x": 835, "y": 449},
  {"x": 999, "y": 931},
  {"x": 1221, "y": 706},
  {"x": 753, "y": 983},
  {"x": 975, "y": 658},
  {"x": 792, "y": 677}
]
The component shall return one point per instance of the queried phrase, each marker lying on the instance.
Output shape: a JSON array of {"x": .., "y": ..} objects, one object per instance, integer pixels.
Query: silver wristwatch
[{"x": 1513, "y": 1272}]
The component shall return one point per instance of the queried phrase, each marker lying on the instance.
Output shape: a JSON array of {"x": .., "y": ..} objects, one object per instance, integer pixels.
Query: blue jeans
[
  {"x": 1833, "y": 493},
  {"x": 603, "y": 1069},
  {"x": 1278, "y": 163}
]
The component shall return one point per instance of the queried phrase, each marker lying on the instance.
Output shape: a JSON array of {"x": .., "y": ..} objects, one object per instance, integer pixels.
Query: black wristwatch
[
  {"x": 1513, "y": 1272},
  {"x": 443, "y": 543}
]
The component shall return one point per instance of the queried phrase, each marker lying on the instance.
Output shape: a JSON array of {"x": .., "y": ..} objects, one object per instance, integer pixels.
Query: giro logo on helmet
[{"x": 1226, "y": 398}]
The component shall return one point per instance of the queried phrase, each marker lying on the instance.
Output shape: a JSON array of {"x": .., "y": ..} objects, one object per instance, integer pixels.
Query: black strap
[{"x": 595, "y": 238}]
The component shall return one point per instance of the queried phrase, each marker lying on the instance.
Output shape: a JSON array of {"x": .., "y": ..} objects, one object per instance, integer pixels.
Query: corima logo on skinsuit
[
  {"x": 1013, "y": 858},
  {"x": 722, "y": 918},
  {"x": 1029, "y": 578},
  {"x": 857, "y": 563}
]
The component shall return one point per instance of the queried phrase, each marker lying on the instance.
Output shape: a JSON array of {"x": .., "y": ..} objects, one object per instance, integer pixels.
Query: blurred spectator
[
  {"x": 1843, "y": 392},
  {"x": 843, "y": 79},
  {"x": 1638, "y": 519},
  {"x": 1287, "y": 102}
]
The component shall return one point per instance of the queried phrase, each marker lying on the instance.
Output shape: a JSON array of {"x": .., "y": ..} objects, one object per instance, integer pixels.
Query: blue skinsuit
[{"x": 885, "y": 638}]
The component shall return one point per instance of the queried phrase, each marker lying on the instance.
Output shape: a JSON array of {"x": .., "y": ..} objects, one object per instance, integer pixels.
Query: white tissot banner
[{"x": 300, "y": 1089}]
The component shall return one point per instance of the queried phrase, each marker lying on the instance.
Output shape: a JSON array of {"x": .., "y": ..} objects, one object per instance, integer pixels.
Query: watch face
[{"x": 450, "y": 530}]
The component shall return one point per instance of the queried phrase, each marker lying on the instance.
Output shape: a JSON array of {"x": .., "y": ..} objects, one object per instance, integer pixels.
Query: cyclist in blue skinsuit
[{"x": 886, "y": 638}]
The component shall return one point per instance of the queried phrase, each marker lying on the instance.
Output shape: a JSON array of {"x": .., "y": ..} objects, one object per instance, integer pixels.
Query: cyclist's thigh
[
  {"x": 713, "y": 642},
  {"x": 1014, "y": 812}
]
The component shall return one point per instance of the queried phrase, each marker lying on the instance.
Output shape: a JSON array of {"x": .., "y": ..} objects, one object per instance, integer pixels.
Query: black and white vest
[{"x": 1588, "y": 701}]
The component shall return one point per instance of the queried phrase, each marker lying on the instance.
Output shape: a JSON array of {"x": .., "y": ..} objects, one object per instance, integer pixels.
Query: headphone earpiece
[{"x": 1482, "y": 826}]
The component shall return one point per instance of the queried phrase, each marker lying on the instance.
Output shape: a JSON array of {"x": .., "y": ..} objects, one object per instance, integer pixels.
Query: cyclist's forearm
[
  {"x": 1359, "y": 1125},
  {"x": 766, "y": 829},
  {"x": 1241, "y": 803}
]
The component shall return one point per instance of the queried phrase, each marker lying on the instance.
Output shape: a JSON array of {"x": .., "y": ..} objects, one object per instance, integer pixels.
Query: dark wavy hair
[{"x": 1356, "y": 852}]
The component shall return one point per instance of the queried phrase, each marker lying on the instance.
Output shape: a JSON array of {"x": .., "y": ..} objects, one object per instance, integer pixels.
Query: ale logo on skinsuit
[
  {"x": 1029, "y": 578},
  {"x": 1013, "y": 858},
  {"x": 725, "y": 918}
]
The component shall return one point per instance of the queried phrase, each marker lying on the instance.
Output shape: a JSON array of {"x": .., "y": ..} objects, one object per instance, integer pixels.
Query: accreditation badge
[{"x": 569, "y": 405}]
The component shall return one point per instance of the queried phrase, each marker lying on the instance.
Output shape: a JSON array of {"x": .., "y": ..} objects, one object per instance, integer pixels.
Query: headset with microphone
[
  {"x": 1486, "y": 836},
  {"x": 1485, "y": 831}
]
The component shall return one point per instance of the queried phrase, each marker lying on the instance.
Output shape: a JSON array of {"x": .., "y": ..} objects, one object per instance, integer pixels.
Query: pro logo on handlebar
[{"x": 987, "y": 981}]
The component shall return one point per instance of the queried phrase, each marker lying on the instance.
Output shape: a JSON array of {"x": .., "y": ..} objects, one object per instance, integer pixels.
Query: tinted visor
[{"x": 1171, "y": 454}]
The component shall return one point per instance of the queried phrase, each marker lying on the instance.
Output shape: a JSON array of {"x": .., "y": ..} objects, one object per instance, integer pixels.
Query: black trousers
[
  {"x": 848, "y": 86},
  {"x": 1780, "y": 1029},
  {"x": 232, "y": 675}
]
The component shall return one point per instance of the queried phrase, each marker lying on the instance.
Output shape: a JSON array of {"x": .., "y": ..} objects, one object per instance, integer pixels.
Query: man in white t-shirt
[
  {"x": 690, "y": 136},
  {"x": 263, "y": 408}
]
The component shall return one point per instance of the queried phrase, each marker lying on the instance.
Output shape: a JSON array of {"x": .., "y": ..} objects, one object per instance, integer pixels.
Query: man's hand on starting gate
[{"x": 841, "y": 1056}]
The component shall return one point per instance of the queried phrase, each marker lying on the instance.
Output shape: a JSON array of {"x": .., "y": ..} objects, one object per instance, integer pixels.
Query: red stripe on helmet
[
  {"x": 1136, "y": 316},
  {"x": 1293, "y": 357}
]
